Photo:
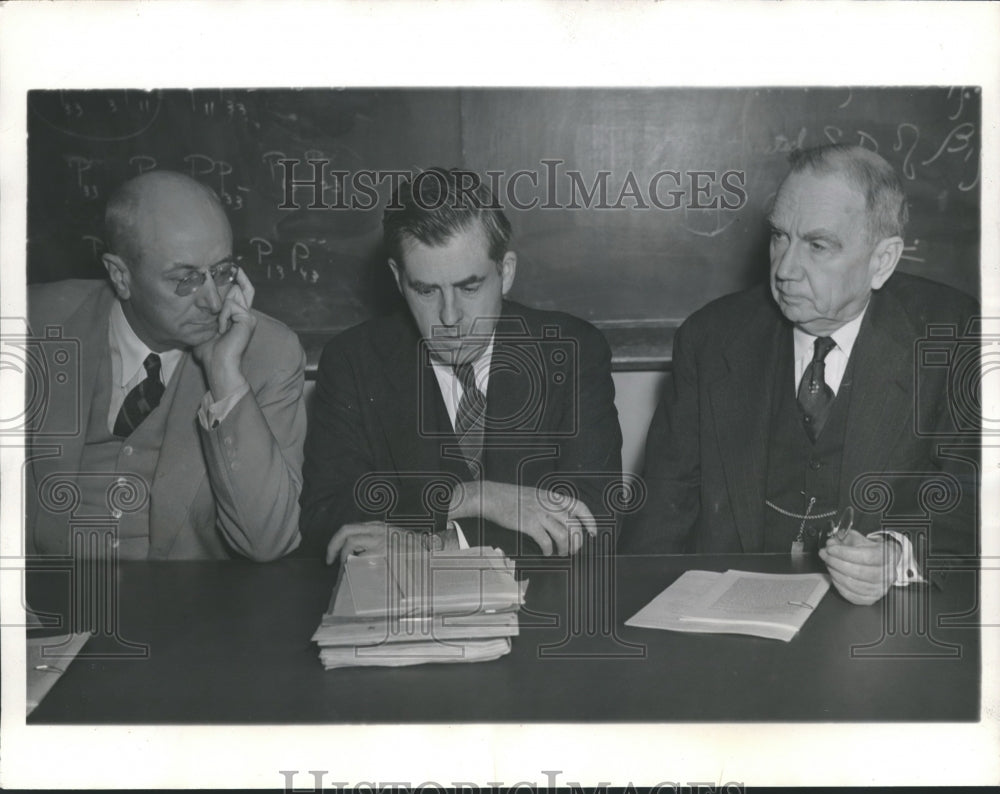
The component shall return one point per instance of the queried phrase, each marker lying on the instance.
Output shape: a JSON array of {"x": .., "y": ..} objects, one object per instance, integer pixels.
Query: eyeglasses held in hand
[
  {"x": 844, "y": 524},
  {"x": 223, "y": 274}
]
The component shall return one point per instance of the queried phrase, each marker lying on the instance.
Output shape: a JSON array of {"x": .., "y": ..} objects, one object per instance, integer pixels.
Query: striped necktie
[
  {"x": 815, "y": 396},
  {"x": 470, "y": 418},
  {"x": 140, "y": 402}
]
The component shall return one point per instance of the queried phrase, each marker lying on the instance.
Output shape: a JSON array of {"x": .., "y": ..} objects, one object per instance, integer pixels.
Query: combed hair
[
  {"x": 868, "y": 172},
  {"x": 436, "y": 204}
]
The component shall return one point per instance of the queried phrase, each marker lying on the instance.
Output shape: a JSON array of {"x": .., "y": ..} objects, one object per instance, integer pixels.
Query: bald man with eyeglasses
[{"x": 189, "y": 413}]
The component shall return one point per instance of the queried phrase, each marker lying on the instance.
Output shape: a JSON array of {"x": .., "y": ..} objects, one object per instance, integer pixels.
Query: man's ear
[
  {"x": 508, "y": 268},
  {"x": 884, "y": 259},
  {"x": 397, "y": 273},
  {"x": 120, "y": 275}
]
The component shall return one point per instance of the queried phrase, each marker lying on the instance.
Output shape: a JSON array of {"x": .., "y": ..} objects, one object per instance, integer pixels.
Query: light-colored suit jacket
[{"x": 232, "y": 490}]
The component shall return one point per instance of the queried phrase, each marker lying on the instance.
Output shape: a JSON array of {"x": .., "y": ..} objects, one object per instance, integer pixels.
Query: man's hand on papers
[
  {"x": 368, "y": 538},
  {"x": 554, "y": 520},
  {"x": 862, "y": 569},
  {"x": 373, "y": 538}
]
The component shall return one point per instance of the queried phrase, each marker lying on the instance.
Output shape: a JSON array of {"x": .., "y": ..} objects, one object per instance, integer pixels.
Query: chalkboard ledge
[{"x": 635, "y": 347}]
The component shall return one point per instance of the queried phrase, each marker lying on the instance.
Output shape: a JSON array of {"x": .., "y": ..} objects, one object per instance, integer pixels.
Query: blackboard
[{"x": 631, "y": 207}]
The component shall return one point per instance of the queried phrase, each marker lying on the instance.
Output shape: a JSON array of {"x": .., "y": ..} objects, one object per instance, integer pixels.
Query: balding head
[{"x": 143, "y": 209}]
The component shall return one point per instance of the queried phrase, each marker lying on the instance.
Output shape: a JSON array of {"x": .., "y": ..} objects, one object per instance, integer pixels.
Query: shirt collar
[
  {"x": 481, "y": 366},
  {"x": 845, "y": 337},
  {"x": 128, "y": 351}
]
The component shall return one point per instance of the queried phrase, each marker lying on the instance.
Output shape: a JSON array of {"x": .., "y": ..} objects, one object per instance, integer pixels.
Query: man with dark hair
[
  {"x": 792, "y": 401},
  {"x": 467, "y": 415},
  {"x": 190, "y": 407}
]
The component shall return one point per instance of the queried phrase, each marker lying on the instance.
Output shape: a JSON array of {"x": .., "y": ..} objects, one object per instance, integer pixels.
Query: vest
[
  {"x": 799, "y": 470},
  {"x": 116, "y": 474}
]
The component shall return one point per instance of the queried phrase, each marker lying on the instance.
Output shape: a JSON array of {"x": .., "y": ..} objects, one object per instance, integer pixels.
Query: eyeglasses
[{"x": 223, "y": 274}]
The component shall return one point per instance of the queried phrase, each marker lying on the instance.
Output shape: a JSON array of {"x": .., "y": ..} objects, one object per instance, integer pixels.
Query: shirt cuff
[
  {"x": 211, "y": 414},
  {"x": 462, "y": 542},
  {"x": 907, "y": 571}
]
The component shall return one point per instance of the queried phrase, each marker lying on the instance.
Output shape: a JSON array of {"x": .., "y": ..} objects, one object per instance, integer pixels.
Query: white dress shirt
[
  {"x": 128, "y": 352},
  {"x": 452, "y": 392},
  {"x": 836, "y": 364}
]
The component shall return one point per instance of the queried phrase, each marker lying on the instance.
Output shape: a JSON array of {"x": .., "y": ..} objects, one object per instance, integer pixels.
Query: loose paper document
[
  {"x": 735, "y": 602},
  {"x": 47, "y": 660}
]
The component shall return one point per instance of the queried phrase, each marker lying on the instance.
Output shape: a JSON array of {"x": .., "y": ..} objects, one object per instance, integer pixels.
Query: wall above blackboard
[{"x": 631, "y": 207}]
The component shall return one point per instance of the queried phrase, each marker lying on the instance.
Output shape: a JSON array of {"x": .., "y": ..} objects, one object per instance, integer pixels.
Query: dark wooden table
[{"x": 230, "y": 643}]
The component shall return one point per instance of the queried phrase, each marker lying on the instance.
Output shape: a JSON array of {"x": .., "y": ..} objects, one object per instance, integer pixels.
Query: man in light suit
[
  {"x": 186, "y": 430},
  {"x": 467, "y": 415},
  {"x": 793, "y": 400}
]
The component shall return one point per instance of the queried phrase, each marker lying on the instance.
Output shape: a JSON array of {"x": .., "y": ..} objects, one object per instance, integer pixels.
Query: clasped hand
[{"x": 862, "y": 569}]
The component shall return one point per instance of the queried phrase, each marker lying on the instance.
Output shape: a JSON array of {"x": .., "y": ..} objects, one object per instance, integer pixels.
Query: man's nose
[
  {"x": 451, "y": 312},
  {"x": 208, "y": 296},
  {"x": 785, "y": 262}
]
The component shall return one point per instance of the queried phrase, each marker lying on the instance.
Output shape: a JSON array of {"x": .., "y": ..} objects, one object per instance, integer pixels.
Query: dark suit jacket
[
  {"x": 233, "y": 489},
  {"x": 381, "y": 446},
  {"x": 707, "y": 447}
]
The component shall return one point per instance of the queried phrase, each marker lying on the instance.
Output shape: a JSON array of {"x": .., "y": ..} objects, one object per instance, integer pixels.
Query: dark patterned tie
[
  {"x": 470, "y": 418},
  {"x": 140, "y": 402},
  {"x": 815, "y": 396}
]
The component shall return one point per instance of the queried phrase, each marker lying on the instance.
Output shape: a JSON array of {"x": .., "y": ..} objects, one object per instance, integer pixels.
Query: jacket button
[
  {"x": 127, "y": 449},
  {"x": 815, "y": 465}
]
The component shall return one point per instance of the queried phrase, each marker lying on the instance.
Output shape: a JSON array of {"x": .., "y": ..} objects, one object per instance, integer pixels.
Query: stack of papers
[
  {"x": 413, "y": 608},
  {"x": 735, "y": 602}
]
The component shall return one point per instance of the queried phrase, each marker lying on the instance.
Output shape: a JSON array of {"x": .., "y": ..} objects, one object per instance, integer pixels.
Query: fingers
[
  {"x": 582, "y": 514},
  {"x": 576, "y": 531},
  {"x": 855, "y": 590},
  {"x": 547, "y": 533},
  {"x": 236, "y": 306},
  {"x": 245, "y": 288},
  {"x": 862, "y": 574},
  {"x": 862, "y": 551},
  {"x": 356, "y": 539}
]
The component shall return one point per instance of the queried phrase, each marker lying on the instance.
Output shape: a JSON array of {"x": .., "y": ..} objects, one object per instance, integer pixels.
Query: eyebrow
[
  {"x": 465, "y": 282},
  {"x": 813, "y": 234},
  {"x": 185, "y": 266},
  {"x": 822, "y": 234}
]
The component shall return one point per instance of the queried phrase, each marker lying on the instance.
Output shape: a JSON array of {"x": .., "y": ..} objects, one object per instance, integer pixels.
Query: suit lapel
[
  {"x": 741, "y": 404},
  {"x": 71, "y": 407},
  {"x": 516, "y": 401},
  {"x": 415, "y": 420},
  {"x": 881, "y": 406}
]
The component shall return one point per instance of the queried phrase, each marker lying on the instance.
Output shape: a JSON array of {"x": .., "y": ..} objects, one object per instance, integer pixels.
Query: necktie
[
  {"x": 470, "y": 418},
  {"x": 140, "y": 402},
  {"x": 815, "y": 396}
]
